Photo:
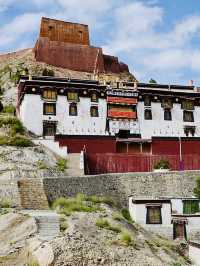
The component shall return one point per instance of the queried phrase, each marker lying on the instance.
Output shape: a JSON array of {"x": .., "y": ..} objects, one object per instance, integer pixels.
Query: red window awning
[
  {"x": 113, "y": 113},
  {"x": 122, "y": 100}
]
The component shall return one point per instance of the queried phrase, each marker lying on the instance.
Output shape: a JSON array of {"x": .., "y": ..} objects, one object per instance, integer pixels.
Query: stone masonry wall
[
  {"x": 120, "y": 186},
  {"x": 9, "y": 191}
]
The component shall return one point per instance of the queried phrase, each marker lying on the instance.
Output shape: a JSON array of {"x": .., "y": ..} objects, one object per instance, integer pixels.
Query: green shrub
[
  {"x": 68, "y": 206},
  {"x": 61, "y": 164},
  {"x": 96, "y": 199},
  {"x": 5, "y": 203},
  {"x": 125, "y": 238},
  {"x": 48, "y": 72},
  {"x": 15, "y": 141},
  {"x": 41, "y": 165},
  {"x": 103, "y": 223},
  {"x": 162, "y": 164},
  {"x": 125, "y": 213},
  {"x": 12, "y": 122},
  {"x": 118, "y": 216},
  {"x": 9, "y": 109}
]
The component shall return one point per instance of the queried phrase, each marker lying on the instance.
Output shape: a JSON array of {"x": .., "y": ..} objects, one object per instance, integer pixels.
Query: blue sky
[{"x": 158, "y": 39}]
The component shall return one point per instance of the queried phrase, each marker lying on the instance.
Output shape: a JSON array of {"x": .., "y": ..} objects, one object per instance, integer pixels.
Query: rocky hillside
[
  {"x": 93, "y": 232},
  {"x": 12, "y": 65}
]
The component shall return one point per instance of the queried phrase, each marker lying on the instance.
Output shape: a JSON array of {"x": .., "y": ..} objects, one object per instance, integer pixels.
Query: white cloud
[
  {"x": 18, "y": 27},
  {"x": 5, "y": 4}
]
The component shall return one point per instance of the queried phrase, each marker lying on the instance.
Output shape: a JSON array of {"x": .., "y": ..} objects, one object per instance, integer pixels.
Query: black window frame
[
  {"x": 166, "y": 113},
  {"x": 97, "y": 98},
  {"x": 147, "y": 100},
  {"x": 96, "y": 109},
  {"x": 73, "y": 105},
  {"x": 73, "y": 100},
  {"x": 145, "y": 114},
  {"x": 184, "y": 116},
  {"x": 50, "y": 124},
  {"x": 148, "y": 208},
  {"x": 44, "y": 108}
]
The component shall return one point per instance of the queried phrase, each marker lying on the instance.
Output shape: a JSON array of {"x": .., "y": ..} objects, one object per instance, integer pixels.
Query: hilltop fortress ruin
[{"x": 67, "y": 45}]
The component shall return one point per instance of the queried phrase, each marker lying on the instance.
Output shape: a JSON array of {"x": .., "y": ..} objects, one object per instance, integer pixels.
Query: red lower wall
[
  {"x": 172, "y": 147},
  {"x": 75, "y": 144}
]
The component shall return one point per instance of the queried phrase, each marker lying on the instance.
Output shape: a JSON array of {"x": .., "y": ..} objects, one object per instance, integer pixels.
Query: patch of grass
[
  {"x": 97, "y": 199},
  {"x": 125, "y": 213},
  {"x": 126, "y": 239},
  {"x": 9, "y": 109},
  {"x": 5, "y": 203},
  {"x": 63, "y": 223},
  {"x": 70, "y": 205},
  {"x": 177, "y": 264},
  {"x": 41, "y": 165},
  {"x": 33, "y": 263},
  {"x": 103, "y": 223},
  {"x": 61, "y": 164},
  {"x": 13, "y": 123},
  {"x": 48, "y": 72},
  {"x": 15, "y": 141},
  {"x": 118, "y": 216}
]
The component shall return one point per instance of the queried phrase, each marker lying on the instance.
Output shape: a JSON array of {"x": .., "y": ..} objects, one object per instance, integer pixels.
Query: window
[
  {"x": 188, "y": 116},
  {"x": 49, "y": 94},
  {"x": 94, "y": 97},
  {"x": 147, "y": 114},
  {"x": 179, "y": 230},
  {"x": 72, "y": 96},
  {"x": 167, "y": 103},
  {"x": 189, "y": 130},
  {"x": 190, "y": 206},
  {"x": 49, "y": 109},
  {"x": 187, "y": 105},
  {"x": 147, "y": 101},
  {"x": 94, "y": 111},
  {"x": 73, "y": 110},
  {"x": 167, "y": 114},
  {"x": 49, "y": 129},
  {"x": 154, "y": 215}
]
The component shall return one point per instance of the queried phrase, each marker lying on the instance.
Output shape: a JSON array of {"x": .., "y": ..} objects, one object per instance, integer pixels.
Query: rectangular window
[
  {"x": 94, "y": 111},
  {"x": 187, "y": 105},
  {"x": 154, "y": 215},
  {"x": 49, "y": 94},
  {"x": 72, "y": 96},
  {"x": 49, "y": 109},
  {"x": 167, "y": 114},
  {"x": 73, "y": 110},
  {"x": 188, "y": 116},
  {"x": 190, "y": 206},
  {"x": 167, "y": 103},
  {"x": 49, "y": 129},
  {"x": 94, "y": 97},
  {"x": 147, "y": 114},
  {"x": 147, "y": 101}
]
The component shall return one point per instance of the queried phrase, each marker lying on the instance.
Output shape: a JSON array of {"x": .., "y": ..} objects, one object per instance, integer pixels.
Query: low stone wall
[
  {"x": 120, "y": 186},
  {"x": 9, "y": 191}
]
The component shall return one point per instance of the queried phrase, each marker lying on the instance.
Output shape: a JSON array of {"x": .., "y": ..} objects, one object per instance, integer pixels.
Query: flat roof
[{"x": 149, "y": 200}]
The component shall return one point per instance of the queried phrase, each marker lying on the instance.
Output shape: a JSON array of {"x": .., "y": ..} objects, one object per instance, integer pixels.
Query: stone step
[{"x": 47, "y": 222}]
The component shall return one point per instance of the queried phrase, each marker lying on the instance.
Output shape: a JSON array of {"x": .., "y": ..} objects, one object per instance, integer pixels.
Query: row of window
[
  {"x": 187, "y": 115},
  {"x": 50, "y": 109},
  {"x": 71, "y": 96},
  {"x": 168, "y": 103}
]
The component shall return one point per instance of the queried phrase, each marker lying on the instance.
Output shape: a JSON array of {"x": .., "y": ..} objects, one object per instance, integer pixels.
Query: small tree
[
  {"x": 197, "y": 188},
  {"x": 152, "y": 81}
]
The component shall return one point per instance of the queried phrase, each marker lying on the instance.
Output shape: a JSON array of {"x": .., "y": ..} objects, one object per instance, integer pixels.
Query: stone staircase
[
  {"x": 47, "y": 222},
  {"x": 32, "y": 195},
  {"x": 74, "y": 164}
]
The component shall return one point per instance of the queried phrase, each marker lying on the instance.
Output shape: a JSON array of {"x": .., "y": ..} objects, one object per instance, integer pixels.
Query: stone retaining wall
[
  {"x": 120, "y": 186},
  {"x": 9, "y": 191}
]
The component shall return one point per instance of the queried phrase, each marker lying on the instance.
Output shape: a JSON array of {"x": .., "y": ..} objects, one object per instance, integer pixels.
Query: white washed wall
[
  {"x": 160, "y": 127},
  {"x": 31, "y": 114}
]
